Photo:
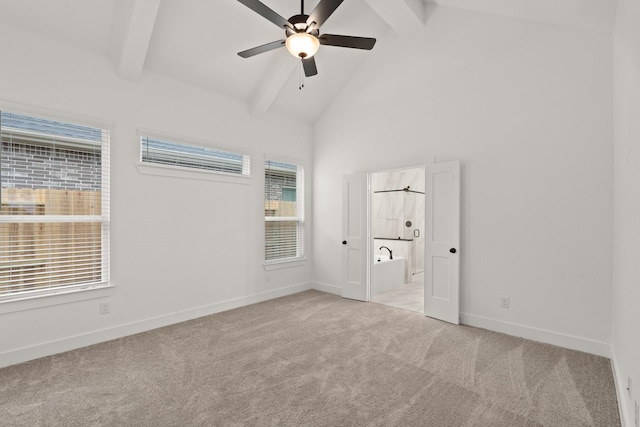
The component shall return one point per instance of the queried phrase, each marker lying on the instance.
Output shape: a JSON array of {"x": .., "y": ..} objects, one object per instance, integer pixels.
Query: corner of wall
[
  {"x": 620, "y": 390},
  {"x": 325, "y": 287}
]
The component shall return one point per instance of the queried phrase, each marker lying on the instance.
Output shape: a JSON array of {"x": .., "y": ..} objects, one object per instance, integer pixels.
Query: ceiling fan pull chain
[{"x": 301, "y": 77}]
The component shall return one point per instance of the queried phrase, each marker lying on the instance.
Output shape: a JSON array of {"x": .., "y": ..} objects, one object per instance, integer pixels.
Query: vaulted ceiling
[{"x": 196, "y": 41}]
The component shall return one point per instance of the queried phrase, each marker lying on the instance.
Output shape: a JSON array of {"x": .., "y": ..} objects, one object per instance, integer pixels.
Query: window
[
  {"x": 153, "y": 150},
  {"x": 54, "y": 211},
  {"x": 284, "y": 211}
]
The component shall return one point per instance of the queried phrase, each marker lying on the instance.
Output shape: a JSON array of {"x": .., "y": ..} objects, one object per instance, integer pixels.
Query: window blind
[
  {"x": 284, "y": 211},
  {"x": 153, "y": 150},
  {"x": 54, "y": 206}
]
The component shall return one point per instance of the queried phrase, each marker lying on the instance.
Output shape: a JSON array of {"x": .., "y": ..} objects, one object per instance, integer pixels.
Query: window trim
[
  {"x": 185, "y": 173},
  {"x": 158, "y": 169},
  {"x": 287, "y": 263},
  {"x": 80, "y": 292},
  {"x": 52, "y": 114},
  {"x": 301, "y": 220},
  {"x": 64, "y": 296}
]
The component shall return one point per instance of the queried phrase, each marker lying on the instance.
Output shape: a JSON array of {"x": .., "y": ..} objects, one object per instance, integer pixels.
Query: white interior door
[
  {"x": 442, "y": 264},
  {"x": 354, "y": 236}
]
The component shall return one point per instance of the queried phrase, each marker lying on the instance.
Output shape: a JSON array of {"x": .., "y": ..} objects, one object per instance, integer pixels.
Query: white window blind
[
  {"x": 54, "y": 213},
  {"x": 153, "y": 150},
  {"x": 284, "y": 211}
]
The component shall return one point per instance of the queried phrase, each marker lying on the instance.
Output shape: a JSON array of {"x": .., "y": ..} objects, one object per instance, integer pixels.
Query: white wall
[
  {"x": 180, "y": 248},
  {"x": 626, "y": 268},
  {"x": 527, "y": 109}
]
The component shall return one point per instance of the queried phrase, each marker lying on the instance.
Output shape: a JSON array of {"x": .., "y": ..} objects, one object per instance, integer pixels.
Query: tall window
[
  {"x": 54, "y": 213},
  {"x": 283, "y": 211}
]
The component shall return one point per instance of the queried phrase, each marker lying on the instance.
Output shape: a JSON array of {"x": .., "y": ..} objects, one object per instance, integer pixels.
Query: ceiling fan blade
[
  {"x": 309, "y": 65},
  {"x": 261, "y": 49},
  {"x": 347, "y": 41},
  {"x": 323, "y": 10},
  {"x": 261, "y": 9}
]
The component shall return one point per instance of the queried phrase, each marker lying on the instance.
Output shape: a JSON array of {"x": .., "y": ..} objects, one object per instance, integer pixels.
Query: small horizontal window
[{"x": 163, "y": 152}]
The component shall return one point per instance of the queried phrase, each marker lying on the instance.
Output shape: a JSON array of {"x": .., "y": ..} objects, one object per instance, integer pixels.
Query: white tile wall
[{"x": 391, "y": 211}]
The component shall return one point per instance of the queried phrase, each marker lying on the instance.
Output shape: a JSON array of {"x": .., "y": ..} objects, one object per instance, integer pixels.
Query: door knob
[
  {"x": 452, "y": 250},
  {"x": 344, "y": 242}
]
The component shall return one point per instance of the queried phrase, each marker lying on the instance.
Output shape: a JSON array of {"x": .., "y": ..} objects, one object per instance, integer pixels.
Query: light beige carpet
[{"x": 312, "y": 359}]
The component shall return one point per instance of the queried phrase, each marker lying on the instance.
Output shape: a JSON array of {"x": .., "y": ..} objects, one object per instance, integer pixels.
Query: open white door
[
  {"x": 354, "y": 236},
  {"x": 442, "y": 264}
]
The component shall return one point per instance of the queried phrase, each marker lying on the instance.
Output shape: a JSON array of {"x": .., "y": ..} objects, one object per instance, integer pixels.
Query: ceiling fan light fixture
[{"x": 302, "y": 45}]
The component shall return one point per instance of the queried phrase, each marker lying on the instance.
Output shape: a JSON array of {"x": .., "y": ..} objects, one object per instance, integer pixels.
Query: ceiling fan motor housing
[{"x": 299, "y": 22}]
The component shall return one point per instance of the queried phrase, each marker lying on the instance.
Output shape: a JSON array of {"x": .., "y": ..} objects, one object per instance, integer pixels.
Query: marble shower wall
[{"x": 391, "y": 211}]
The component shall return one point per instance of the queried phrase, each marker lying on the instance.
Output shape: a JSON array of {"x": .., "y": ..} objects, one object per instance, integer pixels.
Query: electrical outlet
[
  {"x": 504, "y": 302},
  {"x": 637, "y": 414},
  {"x": 105, "y": 307},
  {"x": 268, "y": 278}
]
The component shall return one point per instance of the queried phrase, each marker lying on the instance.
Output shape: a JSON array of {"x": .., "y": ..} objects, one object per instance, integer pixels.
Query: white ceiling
[{"x": 196, "y": 41}]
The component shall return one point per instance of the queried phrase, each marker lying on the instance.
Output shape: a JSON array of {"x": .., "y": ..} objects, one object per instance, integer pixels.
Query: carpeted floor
[{"x": 312, "y": 359}]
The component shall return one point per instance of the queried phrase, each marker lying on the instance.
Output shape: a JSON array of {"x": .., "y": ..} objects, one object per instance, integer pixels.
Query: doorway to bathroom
[
  {"x": 397, "y": 229},
  {"x": 440, "y": 244}
]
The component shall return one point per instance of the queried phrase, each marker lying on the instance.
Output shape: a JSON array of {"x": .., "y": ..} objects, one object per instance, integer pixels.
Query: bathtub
[{"x": 387, "y": 274}]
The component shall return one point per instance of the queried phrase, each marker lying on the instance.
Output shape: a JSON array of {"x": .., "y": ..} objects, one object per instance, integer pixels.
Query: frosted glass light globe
[{"x": 302, "y": 45}]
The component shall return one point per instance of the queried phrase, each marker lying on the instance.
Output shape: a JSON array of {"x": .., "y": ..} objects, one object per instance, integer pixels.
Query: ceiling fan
[{"x": 303, "y": 38}]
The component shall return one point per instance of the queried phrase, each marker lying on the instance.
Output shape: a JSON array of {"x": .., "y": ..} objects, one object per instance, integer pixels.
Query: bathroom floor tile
[{"x": 408, "y": 297}]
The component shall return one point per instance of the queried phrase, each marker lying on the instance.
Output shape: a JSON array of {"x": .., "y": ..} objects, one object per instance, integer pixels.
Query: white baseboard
[
  {"x": 535, "y": 334},
  {"x": 621, "y": 390},
  {"x": 550, "y": 337},
  {"x": 324, "y": 287},
  {"x": 24, "y": 354}
]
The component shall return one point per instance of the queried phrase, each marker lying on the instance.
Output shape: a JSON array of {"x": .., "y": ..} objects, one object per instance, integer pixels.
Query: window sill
[
  {"x": 47, "y": 300},
  {"x": 277, "y": 265},
  {"x": 178, "y": 172}
]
